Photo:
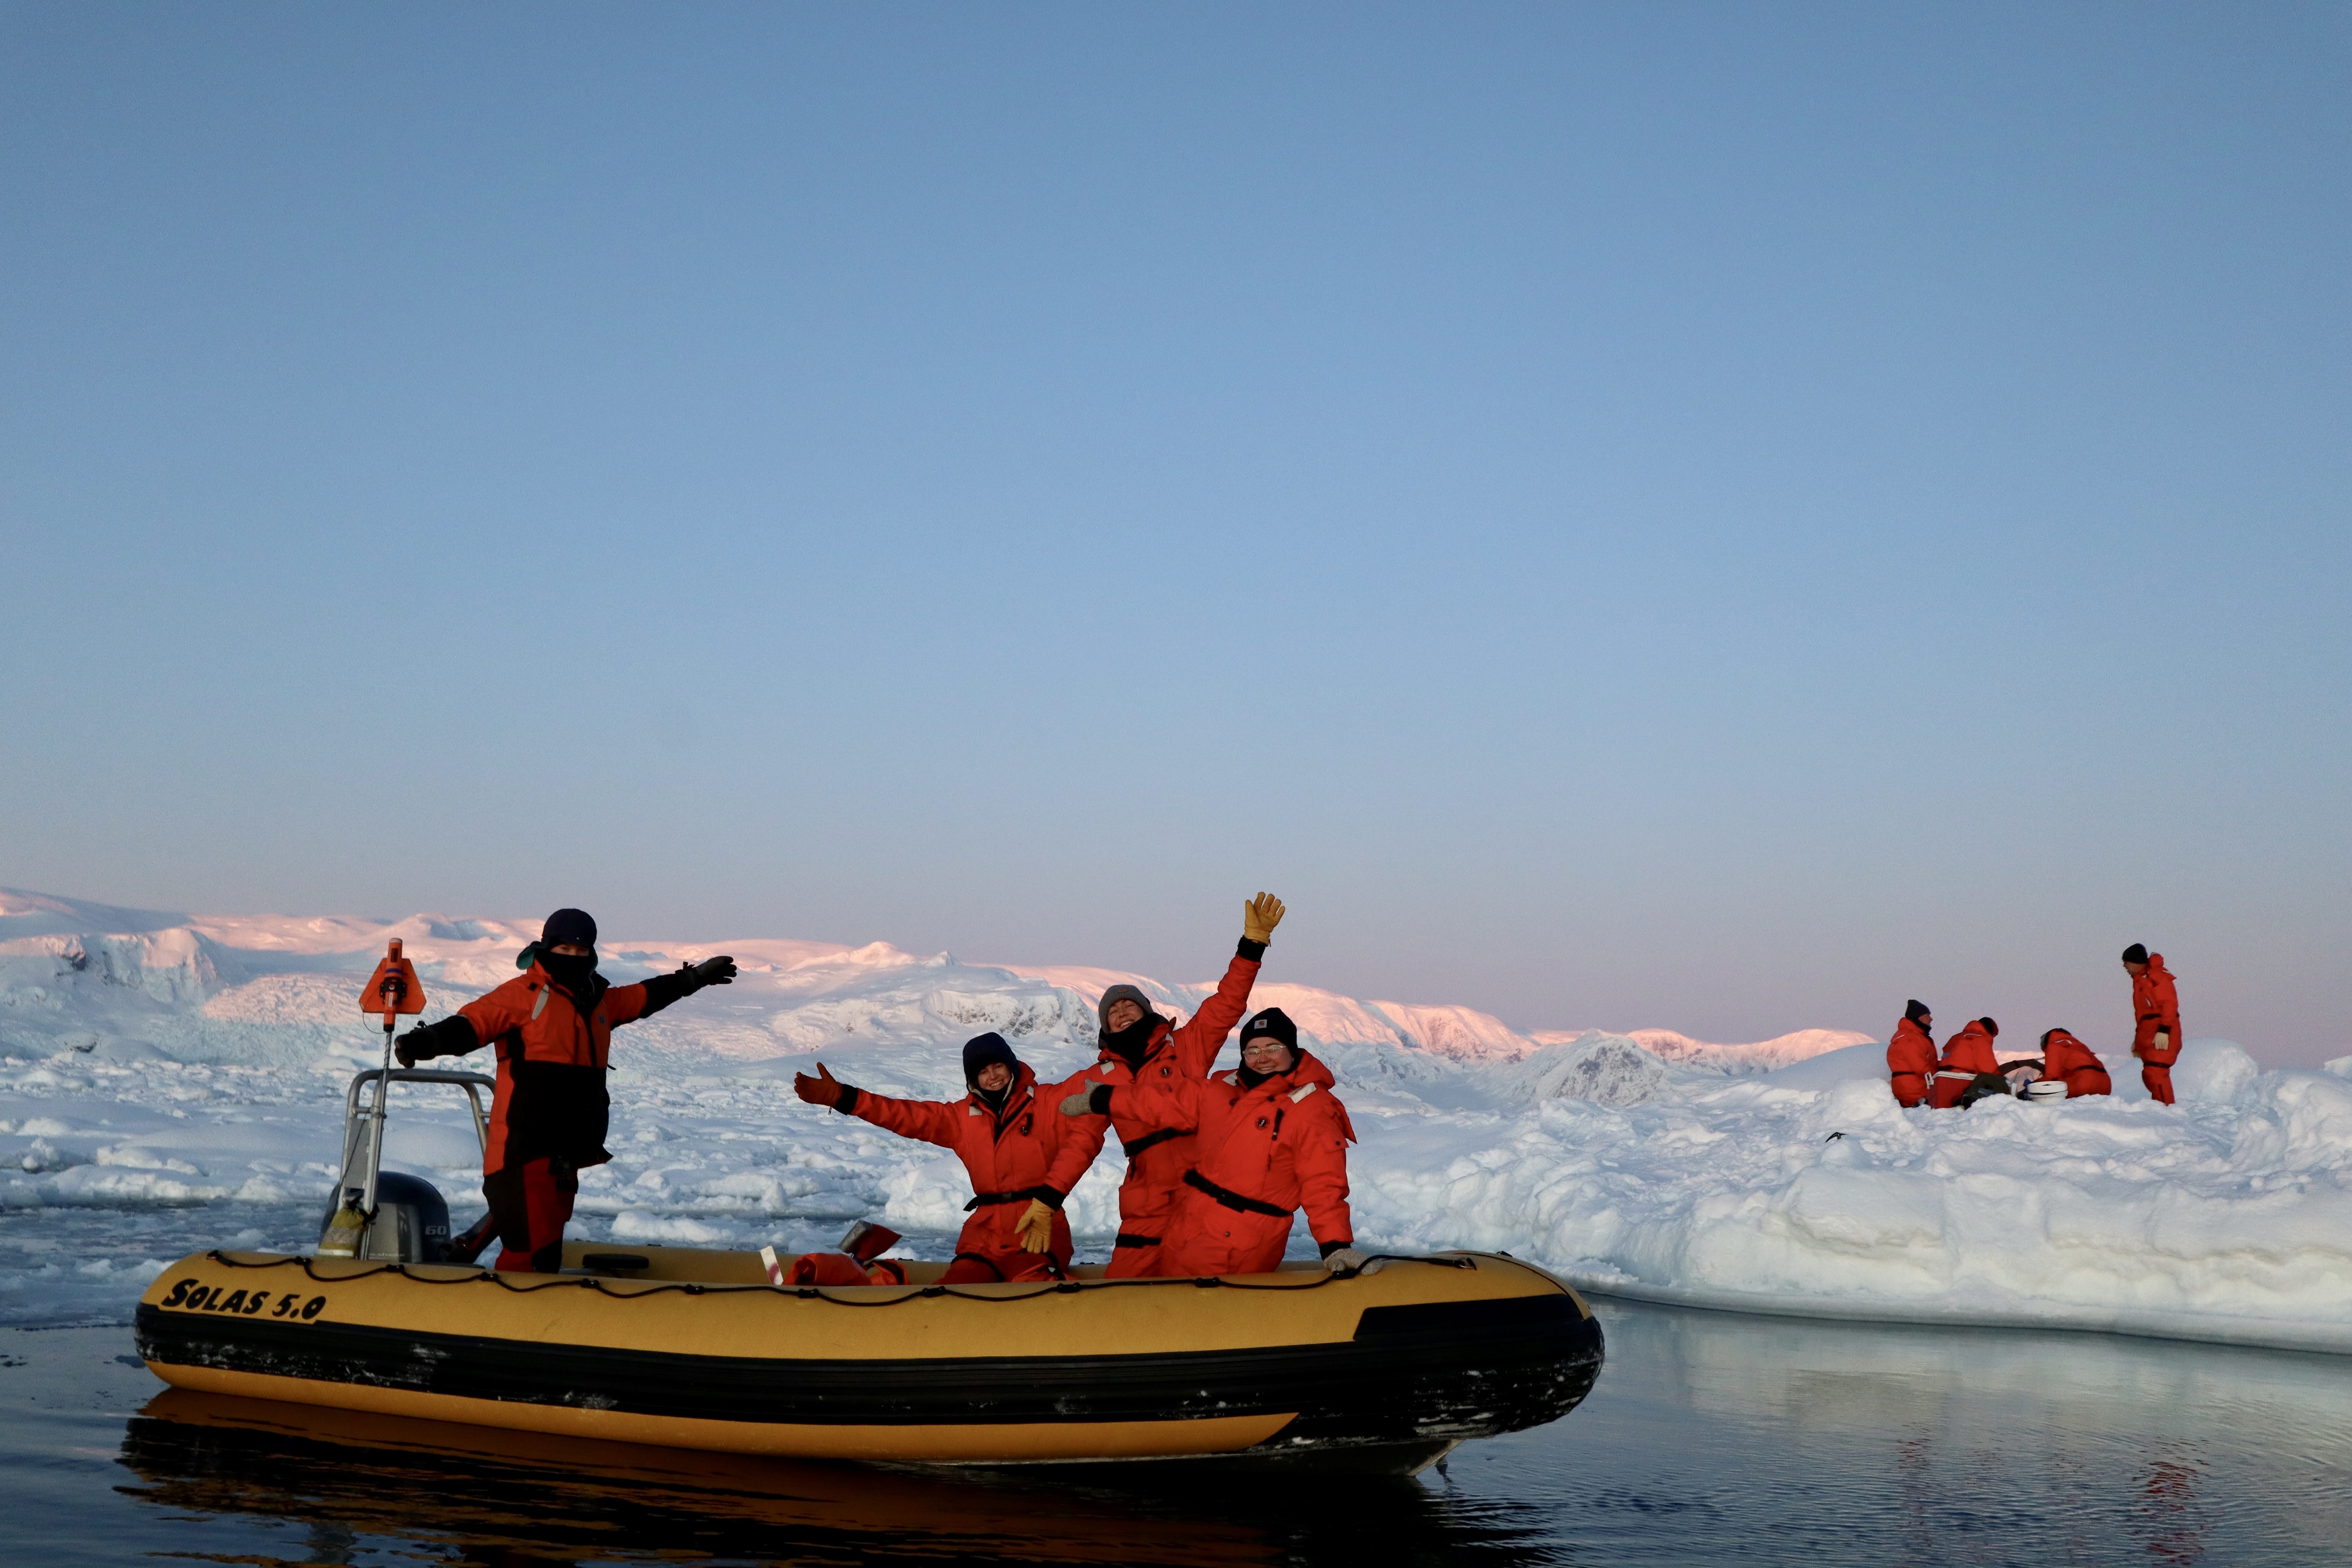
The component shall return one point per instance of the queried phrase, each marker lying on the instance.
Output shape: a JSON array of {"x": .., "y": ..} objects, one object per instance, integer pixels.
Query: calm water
[{"x": 1712, "y": 1438}]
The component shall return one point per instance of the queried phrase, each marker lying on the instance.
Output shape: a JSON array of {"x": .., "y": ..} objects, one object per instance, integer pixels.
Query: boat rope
[{"x": 803, "y": 1292}]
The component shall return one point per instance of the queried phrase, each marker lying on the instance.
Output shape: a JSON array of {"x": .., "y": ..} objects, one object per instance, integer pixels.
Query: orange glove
[
  {"x": 1035, "y": 1226},
  {"x": 823, "y": 1089},
  {"x": 1259, "y": 917}
]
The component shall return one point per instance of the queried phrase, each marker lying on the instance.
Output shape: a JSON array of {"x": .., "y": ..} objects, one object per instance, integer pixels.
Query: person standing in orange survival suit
[
  {"x": 1966, "y": 1055},
  {"x": 1911, "y": 1055},
  {"x": 2156, "y": 1019},
  {"x": 2068, "y": 1059},
  {"x": 1139, "y": 1047},
  {"x": 1023, "y": 1159},
  {"x": 1271, "y": 1137},
  {"x": 553, "y": 1029}
]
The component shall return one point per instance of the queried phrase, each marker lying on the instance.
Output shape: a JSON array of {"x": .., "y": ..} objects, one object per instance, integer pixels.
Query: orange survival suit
[
  {"x": 1154, "y": 1050},
  {"x": 2155, "y": 1009},
  {"x": 553, "y": 1026},
  {"x": 1261, "y": 1150},
  {"x": 1965, "y": 1053},
  {"x": 2067, "y": 1058},
  {"x": 1911, "y": 1057},
  {"x": 1016, "y": 1151}
]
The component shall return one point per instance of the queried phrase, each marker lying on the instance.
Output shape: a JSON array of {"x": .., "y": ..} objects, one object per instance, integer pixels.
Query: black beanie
[
  {"x": 2135, "y": 953},
  {"x": 1272, "y": 1021},
  {"x": 1915, "y": 1010},
  {"x": 1990, "y": 1027},
  {"x": 983, "y": 1049},
  {"x": 576, "y": 926}
]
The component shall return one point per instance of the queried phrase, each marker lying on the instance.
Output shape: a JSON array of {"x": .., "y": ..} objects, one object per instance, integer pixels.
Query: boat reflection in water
[{"x": 356, "y": 1482}]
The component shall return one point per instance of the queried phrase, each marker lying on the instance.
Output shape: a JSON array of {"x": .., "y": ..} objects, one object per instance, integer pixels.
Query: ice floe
[{"x": 168, "y": 1081}]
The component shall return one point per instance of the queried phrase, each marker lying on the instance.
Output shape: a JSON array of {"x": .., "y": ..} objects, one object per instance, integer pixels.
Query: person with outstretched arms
[
  {"x": 2156, "y": 1019},
  {"x": 1269, "y": 1138},
  {"x": 553, "y": 1026},
  {"x": 1139, "y": 1045},
  {"x": 1021, "y": 1158}
]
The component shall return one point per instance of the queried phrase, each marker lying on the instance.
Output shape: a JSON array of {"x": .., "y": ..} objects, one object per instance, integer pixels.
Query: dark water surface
[{"x": 1712, "y": 1438}]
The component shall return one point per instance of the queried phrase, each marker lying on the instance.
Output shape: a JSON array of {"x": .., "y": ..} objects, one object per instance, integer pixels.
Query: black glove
[
  {"x": 452, "y": 1036},
  {"x": 718, "y": 971}
]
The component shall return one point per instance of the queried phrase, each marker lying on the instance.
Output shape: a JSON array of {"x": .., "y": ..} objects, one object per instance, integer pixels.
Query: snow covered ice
[{"x": 169, "y": 1082}]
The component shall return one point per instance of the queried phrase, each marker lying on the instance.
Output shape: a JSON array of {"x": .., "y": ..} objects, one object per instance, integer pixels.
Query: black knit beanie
[
  {"x": 1990, "y": 1027},
  {"x": 1915, "y": 1010},
  {"x": 2135, "y": 953},
  {"x": 1272, "y": 1021},
  {"x": 572, "y": 926},
  {"x": 983, "y": 1049}
]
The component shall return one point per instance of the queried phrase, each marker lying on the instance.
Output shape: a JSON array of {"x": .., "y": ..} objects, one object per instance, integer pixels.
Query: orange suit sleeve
[{"x": 1203, "y": 1035}]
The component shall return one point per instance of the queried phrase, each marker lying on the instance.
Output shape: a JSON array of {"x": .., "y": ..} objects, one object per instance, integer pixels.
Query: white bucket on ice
[{"x": 2046, "y": 1088}]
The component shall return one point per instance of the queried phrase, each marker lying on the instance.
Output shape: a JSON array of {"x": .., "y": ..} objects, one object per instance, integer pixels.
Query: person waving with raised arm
[
  {"x": 1023, "y": 1159},
  {"x": 1268, "y": 1138},
  {"x": 1139, "y": 1046}
]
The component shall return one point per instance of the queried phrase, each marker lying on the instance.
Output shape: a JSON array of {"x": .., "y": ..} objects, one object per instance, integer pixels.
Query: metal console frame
[{"x": 363, "y": 1124}]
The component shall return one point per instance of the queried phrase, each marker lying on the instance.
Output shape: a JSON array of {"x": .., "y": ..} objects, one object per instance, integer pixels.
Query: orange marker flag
[{"x": 394, "y": 987}]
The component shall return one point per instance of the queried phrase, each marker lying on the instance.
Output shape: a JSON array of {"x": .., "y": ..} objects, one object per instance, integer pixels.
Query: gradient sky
[{"x": 1726, "y": 516}]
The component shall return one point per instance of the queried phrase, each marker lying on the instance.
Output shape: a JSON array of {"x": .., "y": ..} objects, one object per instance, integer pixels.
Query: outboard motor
[{"x": 411, "y": 1221}]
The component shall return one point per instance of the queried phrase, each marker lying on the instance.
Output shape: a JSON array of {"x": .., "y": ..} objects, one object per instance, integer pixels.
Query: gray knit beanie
[{"x": 1120, "y": 994}]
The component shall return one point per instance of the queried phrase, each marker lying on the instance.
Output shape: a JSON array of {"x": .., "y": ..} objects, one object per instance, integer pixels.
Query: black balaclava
[
  {"x": 576, "y": 974},
  {"x": 1273, "y": 1021},
  {"x": 1915, "y": 1011},
  {"x": 978, "y": 1053}
]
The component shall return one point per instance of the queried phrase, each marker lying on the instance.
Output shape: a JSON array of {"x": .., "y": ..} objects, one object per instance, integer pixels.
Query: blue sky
[{"x": 1726, "y": 516}]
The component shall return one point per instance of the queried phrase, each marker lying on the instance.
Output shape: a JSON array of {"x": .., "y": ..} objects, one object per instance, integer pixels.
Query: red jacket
[
  {"x": 1025, "y": 1151},
  {"x": 1910, "y": 1058},
  {"x": 2065, "y": 1058},
  {"x": 2155, "y": 1005},
  {"x": 1912, "y": 1050},
  {"x": 1158, "y": 1156},
  {"x": 550, "y": 1097},
  {"x": 1259, "y": 1155},
  {"x": 1971, "y": 1050}
]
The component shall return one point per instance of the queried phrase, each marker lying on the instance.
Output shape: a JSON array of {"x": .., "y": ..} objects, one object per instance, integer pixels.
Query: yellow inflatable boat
[
  {"x": 690, "y": 1348},
  {"x": 694, "y": 1349}
]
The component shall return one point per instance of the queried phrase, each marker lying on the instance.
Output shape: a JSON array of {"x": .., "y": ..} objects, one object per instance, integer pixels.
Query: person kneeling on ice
[
  {"x": 1139, "y": 1046},
  {"x": 553, "y": 1029},
  {"x": 1023, "y": 1159},
  {"x": 2068, "y": 1061},
  {"x": 1271, "y": 1137},
  {"x": 1968, "y": 1059},
  {"x": 2156, "y": 1019},
  {"x": 1911, "y": 1055}
]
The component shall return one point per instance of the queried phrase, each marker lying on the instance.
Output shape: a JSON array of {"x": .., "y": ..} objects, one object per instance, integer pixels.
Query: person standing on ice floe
[
  {"x": 1023, "y": 1159},
  {"x": 2156, "y": 1019},
  {"x": 1139, "y": 1045},
  {"x": 553, "y": 1028},
  {"x": 1271, "y": 1138},
  {"x": 2070, "y": 1062},
  {"x": 1968, "y": 1056},
  {"x": 1911, "y": 1055}
]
